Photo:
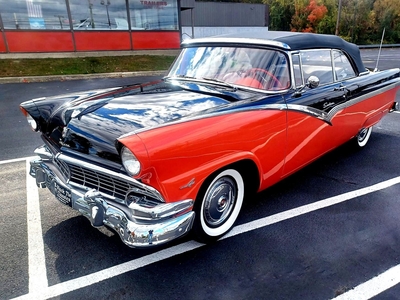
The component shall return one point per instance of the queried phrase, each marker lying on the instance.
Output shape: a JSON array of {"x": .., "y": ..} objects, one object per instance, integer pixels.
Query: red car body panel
[{"x": 258, "y": 135}]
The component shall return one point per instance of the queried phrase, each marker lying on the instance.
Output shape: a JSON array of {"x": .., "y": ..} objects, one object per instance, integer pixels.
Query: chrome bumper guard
[{"x": 164, "y": 222}]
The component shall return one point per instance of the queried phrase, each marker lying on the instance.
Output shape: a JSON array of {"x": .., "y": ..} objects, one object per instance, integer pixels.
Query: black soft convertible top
[{"x": 293, "y": 41}]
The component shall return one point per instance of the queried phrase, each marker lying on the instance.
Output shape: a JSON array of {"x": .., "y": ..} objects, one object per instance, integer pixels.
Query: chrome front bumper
[{"x": 138, "y": 225}]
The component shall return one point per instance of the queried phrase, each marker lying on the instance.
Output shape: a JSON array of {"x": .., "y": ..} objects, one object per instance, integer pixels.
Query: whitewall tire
[
  {"x": 363, "y": 136},
  {"x": 218, "y": 207}
]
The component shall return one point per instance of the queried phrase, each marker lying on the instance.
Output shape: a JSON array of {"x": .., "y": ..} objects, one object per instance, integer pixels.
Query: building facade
[
  {"x": 202, "y": 19},
  {"x": 88, "y": 25},
  {"x": 102, "y": 25}
]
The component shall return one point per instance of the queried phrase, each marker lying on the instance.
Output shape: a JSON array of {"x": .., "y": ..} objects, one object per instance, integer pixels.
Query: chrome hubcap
[
  {"x": 220, "y": 201},
  {"x": 362, "y": 134}
]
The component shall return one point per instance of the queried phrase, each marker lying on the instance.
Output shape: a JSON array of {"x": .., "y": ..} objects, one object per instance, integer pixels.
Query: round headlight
[
  {"x": 130, "y": 162},
  {"x": 32, "y": 122},
  {"x": 29, "y": 118}
]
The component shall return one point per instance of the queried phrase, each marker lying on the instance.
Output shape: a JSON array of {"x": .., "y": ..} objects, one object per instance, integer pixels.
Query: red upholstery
[{"x": 250, "y": 82}]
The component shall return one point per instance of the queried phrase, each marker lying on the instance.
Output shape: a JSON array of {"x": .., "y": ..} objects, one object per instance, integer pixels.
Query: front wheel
[
  {"x": 218, "y": 205},
  {"x": 363, "y": 136}
]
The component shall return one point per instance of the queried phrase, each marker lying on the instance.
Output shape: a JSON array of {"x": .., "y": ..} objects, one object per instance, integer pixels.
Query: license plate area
[{"x": 62, "y": 194}]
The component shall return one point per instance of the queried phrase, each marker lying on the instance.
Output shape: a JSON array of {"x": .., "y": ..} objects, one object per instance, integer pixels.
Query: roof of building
[{"x": 289, "y": 41}]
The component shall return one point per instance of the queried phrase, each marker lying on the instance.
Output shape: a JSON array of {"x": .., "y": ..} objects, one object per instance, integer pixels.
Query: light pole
[
  {"x": 91, "y": 13},
  {"x": 60, "y": 20},
  {"x": 108, "y": 16}
]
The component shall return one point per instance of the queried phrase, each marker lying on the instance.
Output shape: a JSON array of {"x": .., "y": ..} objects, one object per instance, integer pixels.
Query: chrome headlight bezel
[{"x": 130, "y": 162}]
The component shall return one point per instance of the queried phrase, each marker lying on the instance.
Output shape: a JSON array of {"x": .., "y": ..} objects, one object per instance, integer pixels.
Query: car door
[{"x": 315, "y": 117}]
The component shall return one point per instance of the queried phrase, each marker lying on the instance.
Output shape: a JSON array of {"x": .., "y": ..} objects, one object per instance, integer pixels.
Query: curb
[{"x": 28, "y": 79}]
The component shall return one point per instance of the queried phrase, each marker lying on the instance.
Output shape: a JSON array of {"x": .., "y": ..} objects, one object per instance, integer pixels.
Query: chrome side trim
[
  {"x": 327, "y": 117},
  {"x": 319, "y": 114}
]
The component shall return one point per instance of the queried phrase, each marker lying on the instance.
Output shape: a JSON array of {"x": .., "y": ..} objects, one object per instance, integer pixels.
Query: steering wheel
[{"x": 264, "y": 73}]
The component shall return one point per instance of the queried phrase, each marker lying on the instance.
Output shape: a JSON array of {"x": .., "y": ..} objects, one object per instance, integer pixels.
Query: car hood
[{"x": 94, "y": 126}]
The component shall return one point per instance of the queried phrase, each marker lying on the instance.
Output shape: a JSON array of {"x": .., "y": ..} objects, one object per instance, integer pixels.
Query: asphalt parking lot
[{"x": 330, "y": 231}]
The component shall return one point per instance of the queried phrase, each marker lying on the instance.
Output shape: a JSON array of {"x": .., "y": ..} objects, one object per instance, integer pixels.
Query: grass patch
[{"x": 83, "y": 65}]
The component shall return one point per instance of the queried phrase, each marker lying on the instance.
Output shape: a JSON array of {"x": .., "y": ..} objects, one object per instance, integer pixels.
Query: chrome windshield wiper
[
  {"x": 224, "y": 83},
  {"x": 202, "y": 79},
  {"x": 180, "y": 77}
]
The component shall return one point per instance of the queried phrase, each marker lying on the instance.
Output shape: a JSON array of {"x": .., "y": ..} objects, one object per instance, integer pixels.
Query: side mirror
[{"x": 312, "y": 82}]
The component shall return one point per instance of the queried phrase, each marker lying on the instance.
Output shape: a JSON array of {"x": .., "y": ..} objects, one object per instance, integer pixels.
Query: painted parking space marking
[
  {"x": 374, "y": 286},
  {"x": 3, "y": 162},
  {"x": 38, "y": 284},
  {"x": 298, "y": 211},
  {"x": 36, "y": 257}
]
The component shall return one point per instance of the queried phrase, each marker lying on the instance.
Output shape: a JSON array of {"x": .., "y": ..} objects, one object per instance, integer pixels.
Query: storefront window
[
  {"x": 89, "y": 14},
  {"x": 154, "y": 15},
  {"x": 34, "y": 14},
  {"x": 99, "y": 14}
]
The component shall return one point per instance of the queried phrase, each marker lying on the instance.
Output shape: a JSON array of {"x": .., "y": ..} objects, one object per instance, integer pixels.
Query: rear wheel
[
  {"x": 363, "y": 136},
  {"x": 218, "y": 205}
]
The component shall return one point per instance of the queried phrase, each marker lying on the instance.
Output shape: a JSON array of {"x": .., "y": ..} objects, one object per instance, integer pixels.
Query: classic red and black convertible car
[{"x": 236, "y": 114}]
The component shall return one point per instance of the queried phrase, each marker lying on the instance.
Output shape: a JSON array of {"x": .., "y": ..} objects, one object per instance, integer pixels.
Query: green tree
[
  {"x": 355, "y": 20},
  {"x": 280, "y": 14},
  {"x": 387, "y": 16},
  {"x": 327, "y": 24}
]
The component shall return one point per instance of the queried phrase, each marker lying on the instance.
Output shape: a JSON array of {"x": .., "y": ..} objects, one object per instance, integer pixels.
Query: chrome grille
[
  {"x": 111, "y": 184},
  {"x": 102, "y": 182},
  {"x": 62, "y": 166}
]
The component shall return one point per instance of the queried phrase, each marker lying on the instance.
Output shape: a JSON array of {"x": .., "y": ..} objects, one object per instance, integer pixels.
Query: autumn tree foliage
[
  {"x": 361, "y": 21},
  {"x": 317, "y": 13},
  {"x": 308, "y": 17}
]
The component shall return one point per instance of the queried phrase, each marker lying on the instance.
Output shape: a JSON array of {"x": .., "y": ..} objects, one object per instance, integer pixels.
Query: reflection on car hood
[{"x": 94, "y": 127}]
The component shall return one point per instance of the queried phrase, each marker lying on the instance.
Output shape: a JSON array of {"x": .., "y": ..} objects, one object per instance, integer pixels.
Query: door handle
[{"x": 340, "y": 88}]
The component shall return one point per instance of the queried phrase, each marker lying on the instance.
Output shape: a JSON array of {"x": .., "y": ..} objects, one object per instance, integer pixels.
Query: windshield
[{"x": 256, "y": 68}]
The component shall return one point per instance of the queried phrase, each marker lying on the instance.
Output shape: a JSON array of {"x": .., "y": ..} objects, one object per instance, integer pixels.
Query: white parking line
[
  {"x": 37, "y": 266},
  {"x": 84, "y": 281},
  {"x": 298, "y": 211},
  {"x": 374, "y": 286},
  {"x": 2, "y": 162}
]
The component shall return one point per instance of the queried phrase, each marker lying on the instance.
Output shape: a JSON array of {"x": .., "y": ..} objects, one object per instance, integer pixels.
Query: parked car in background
[{"x": 235, "y": 115}]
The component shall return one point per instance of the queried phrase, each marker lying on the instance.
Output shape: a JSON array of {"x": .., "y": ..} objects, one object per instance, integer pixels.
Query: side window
[
  {"x": 298, "y": 79},
  {"x": 317, "y": 63},
  {"x": 343, "y": 68}
]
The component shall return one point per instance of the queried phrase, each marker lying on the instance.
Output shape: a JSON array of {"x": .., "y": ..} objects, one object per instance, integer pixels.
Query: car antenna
[{"x": 380, "y": 48}]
